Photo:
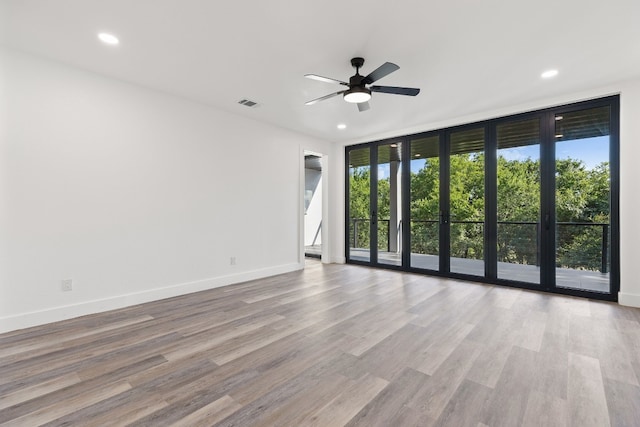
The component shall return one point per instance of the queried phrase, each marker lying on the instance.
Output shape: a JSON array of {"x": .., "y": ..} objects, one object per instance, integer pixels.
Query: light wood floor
[{"x": 330, "y": 346}]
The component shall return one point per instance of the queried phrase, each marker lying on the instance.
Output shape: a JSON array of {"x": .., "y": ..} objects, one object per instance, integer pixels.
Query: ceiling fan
[{"x": 358, "y": 92}]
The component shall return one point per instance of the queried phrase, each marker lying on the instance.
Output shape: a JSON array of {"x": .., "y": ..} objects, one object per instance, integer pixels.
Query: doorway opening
[{"x": 313, "y": 195}]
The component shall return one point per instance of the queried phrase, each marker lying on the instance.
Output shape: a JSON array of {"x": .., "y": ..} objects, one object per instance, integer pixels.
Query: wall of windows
[{"x": 529, "y": 200}]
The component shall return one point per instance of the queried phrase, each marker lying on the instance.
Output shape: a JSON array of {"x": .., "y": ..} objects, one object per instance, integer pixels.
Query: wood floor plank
[
  {"x": 532, "y": 331},
  {"x": 545, "y": 410},
  {"x": 435, "y": 355},
  {"x": 32, "y": 345},
  {"x": 552, "y": 367},
  {"x": 117, "y": 410},
  {"x": 511, "y": 395},
  {"x": 83, "y": 388},
  {"x": 281, "y": 372},
  {"x": 623, "y": 402},
  {"x": 66, "y": 406},
  {"x": 332, "y": 345},
  {"x": 294, "y": 410},
  {"x": 368, "y": 332},
  {"x": 347, "y": 402},
  {"x": 388, "y": 407},
  {"x": 432, "y": 399},
  {"x": 262, "y": 338},
  {"x": 74, "y": 358},
  {"x": 503, "y": 297},
  {"x": 497, "y": 341},
  {"x": 586, "y": 394},
  {"x": 38, "y": 390},
  {"x": 197, "y": 343},
  {"x": 403, "y": 349},
  {"x": 209, "y": 414},
  {"x": 263, "y": 404},
  {"x": 466, "y": 406}
]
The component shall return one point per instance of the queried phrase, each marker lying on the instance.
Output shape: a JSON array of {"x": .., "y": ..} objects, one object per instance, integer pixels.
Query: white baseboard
[
  {"x": 630, "y": 300},
  {"x": 55, "y": 314}
]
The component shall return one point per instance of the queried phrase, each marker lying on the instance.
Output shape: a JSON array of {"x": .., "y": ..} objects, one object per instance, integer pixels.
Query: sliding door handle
[
  {"x": 547, "y": 221},
  {"x": 444, "y": 217}
]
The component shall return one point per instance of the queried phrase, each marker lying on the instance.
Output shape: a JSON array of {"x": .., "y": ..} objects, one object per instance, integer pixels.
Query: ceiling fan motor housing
[{"x": 357, "y": 92}]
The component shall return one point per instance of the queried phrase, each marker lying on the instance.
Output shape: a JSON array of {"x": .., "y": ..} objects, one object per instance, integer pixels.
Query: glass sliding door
[
  {"x": 518, "y": 200},
  {"x": 424, "y": 183},
  {"x": 466, "y": 201},
  {"x": 530, "y": 200},
  {"x": 359, "y": 221},
  {"x": 389, "y": 224},
  {"x": 582, "y": 199}
]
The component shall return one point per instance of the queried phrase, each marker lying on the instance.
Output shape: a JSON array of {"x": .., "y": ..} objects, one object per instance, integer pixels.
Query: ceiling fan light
[{"x": 356, "y": 95}]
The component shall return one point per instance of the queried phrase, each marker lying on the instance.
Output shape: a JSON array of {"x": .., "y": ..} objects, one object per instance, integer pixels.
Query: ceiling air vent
[{"x": 248, "y": 103}]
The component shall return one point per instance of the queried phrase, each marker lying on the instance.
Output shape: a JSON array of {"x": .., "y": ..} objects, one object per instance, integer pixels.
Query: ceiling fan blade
[
  {"x": 363, "y": 106},
  {"x": 383, "y": 70},
  {"x": 325, "y": 79},
  {"x": 410, "y": 91},
  {"x": 322, "y": 98}
]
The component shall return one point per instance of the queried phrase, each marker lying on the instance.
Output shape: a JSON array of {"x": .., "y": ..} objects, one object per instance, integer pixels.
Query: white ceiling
[{"x": 467, "y": 56}]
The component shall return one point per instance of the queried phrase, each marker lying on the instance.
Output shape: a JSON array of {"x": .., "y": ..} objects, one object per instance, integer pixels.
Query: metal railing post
[
  {"x": 389, "y": 236},
  {"x": 355, "y": 232},
  {"x": 605, "y": 247},
  {"x": 537, "y": 244}
]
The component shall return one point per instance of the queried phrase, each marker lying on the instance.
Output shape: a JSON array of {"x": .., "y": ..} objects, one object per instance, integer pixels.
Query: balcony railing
[{"x": 360, "y": 235}]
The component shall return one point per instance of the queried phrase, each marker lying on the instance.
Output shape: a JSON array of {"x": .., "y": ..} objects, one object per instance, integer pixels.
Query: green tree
[
  {"x": 467, "y": 205},
  {"x": 518, "y": 202},
  {"x": 425, "y": 208},
  {"x": 359, "y": 206},
  {"x": 582, "y": 196}
]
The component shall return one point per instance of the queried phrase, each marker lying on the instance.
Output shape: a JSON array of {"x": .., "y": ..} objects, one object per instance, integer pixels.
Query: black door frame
[
  {"x": 373, "y": 203},
  {"x": 547, "y": 200}
]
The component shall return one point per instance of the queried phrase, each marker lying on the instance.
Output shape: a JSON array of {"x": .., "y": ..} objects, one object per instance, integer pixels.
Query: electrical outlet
[
  {"x": 67, "y": 285},
  {"x": 233, "y": 260}
]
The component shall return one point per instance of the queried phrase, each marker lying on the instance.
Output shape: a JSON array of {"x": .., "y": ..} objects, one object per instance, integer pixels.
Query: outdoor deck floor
[{"x": 565, "y": 277}]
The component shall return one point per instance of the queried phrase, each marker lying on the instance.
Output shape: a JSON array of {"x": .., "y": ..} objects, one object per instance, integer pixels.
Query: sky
[{"x": 592, "y": 151}]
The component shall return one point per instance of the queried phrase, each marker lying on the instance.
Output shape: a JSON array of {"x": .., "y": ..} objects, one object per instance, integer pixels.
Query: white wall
[
  {"x": 629, "y": 199},
  {"x": 134, "y": 194},
  {"x": 629, "y": 172},
  {"x": 336, "y": 174}
]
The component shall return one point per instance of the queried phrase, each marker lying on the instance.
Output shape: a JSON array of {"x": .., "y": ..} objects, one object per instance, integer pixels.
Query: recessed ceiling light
[
  {"x": 393, "y": 145},
  {"x": 559, "y": 135},
  {"x": 416, "y": 155},
  {"x": 342, "y": 126},
  {"x": 559, "y": 117},
  {"x": 549, "y": 73},
  {"x": 108, "y": 39}
]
